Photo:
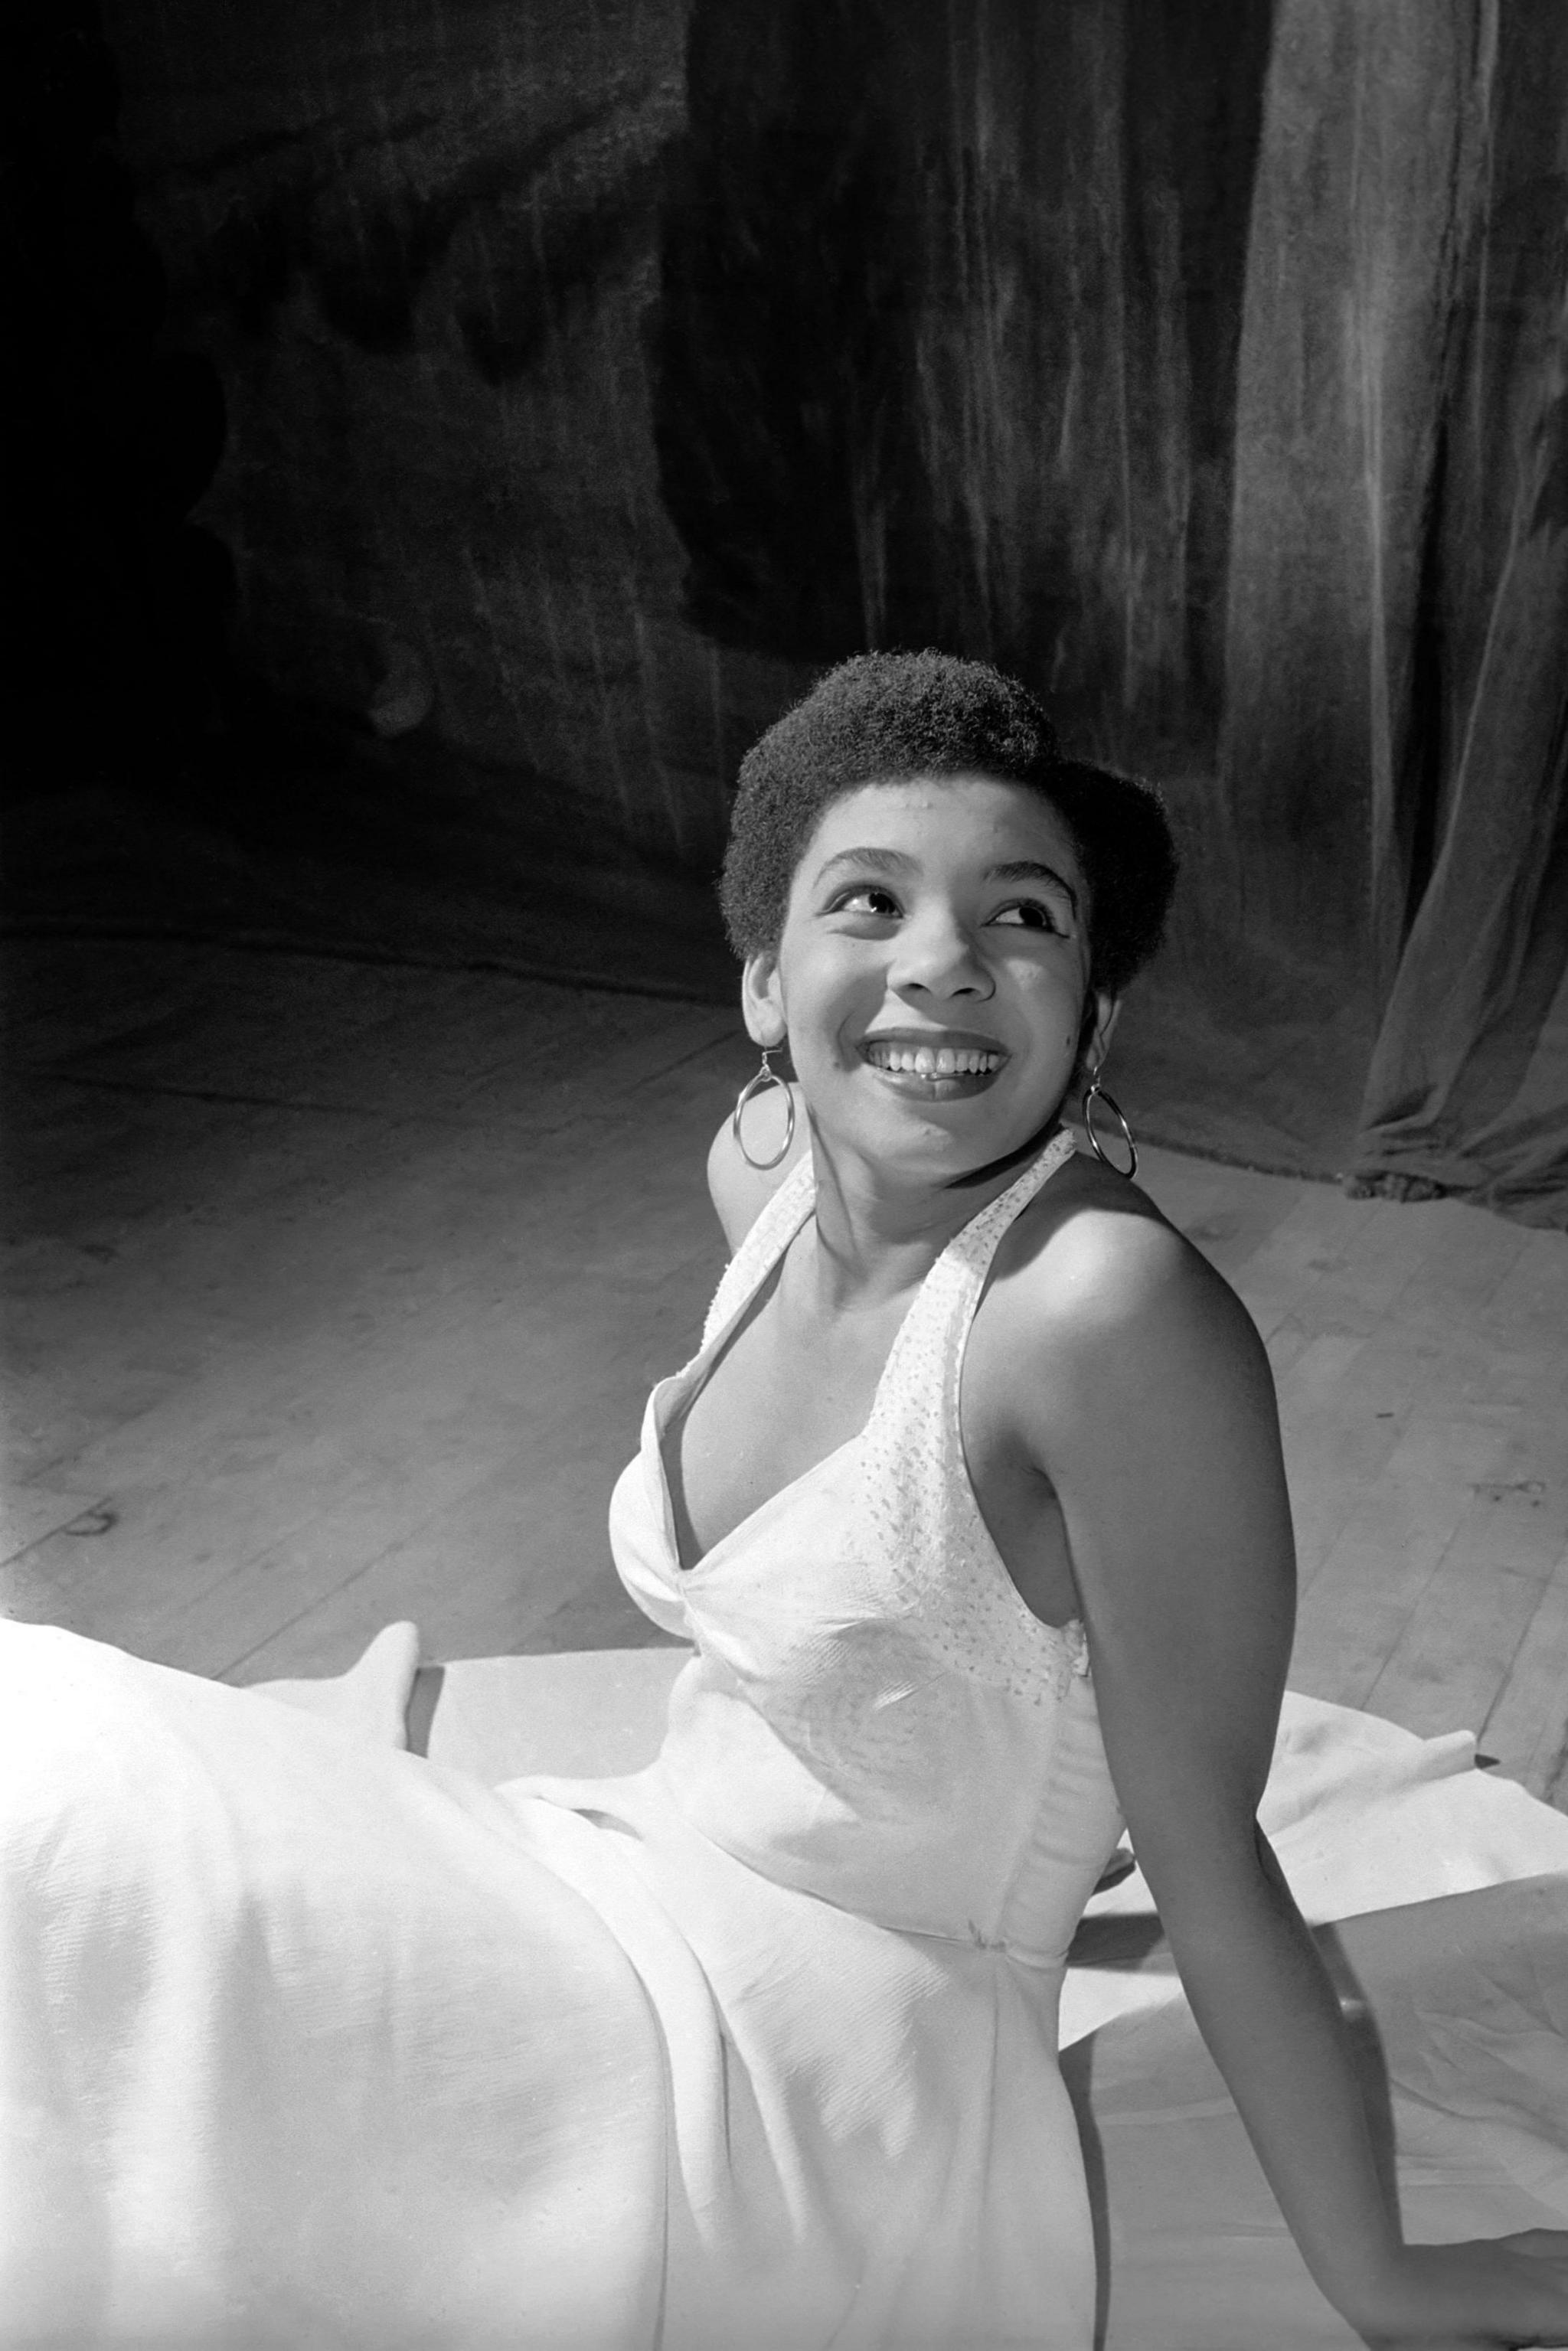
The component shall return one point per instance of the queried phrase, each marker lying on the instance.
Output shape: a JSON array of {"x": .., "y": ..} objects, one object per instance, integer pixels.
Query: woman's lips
[{"x": 934, "y": 1072}]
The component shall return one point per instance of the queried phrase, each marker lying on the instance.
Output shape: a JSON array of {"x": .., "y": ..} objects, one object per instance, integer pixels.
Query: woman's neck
[{"x": 876, "y": 1238}]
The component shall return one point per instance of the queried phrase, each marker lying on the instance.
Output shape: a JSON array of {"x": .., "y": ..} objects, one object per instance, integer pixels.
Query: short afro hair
[{"x": 883, "y": 717}]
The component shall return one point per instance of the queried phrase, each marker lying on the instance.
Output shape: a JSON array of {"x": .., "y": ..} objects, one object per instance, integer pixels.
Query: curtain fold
[
  {"x": 1372, "y": 147},
  {"x": 1468, "y": 1086}
]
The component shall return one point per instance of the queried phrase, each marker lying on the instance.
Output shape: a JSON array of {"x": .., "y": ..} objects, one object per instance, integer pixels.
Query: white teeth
[{"x": 934, "y": 1060}]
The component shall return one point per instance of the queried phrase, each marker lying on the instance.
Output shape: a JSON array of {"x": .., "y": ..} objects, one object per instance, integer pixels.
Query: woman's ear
[
  {"x": 762, "y": 1000},
  {"x": 1101, "y": 1014}
]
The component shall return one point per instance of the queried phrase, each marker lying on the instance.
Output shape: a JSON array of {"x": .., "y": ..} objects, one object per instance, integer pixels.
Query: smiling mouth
[
  {"x": 933, "y": 1073},
  {"x": 933, "y": 1060}
]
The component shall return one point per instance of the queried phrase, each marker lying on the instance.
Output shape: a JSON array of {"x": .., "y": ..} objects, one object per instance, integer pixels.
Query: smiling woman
[
  {"x": 970, "y": 1504},
  {"x": 943, "y": 1325}
]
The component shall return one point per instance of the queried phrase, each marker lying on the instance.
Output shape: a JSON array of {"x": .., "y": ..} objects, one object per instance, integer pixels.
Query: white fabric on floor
[{"x": 469, "y": 2135}]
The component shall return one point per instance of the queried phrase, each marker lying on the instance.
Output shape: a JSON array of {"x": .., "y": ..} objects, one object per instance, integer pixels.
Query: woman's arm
[{"x": 1154, "y": 1417}]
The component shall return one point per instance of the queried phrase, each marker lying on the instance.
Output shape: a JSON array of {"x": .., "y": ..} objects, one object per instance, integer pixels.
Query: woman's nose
[{"x": 938, "y": 953}]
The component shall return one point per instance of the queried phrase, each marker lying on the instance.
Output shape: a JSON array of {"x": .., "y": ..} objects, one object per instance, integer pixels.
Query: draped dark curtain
[
  {"x": 1398, "y": 601},
  {"x": 594, "y": 374},
  {"x": 1208, "y": 367},
  {"x": 1468, "y": 1082}
]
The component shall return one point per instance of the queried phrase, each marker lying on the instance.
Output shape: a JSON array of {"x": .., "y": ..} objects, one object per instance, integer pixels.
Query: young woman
[{"x": 972, "y": 1505}]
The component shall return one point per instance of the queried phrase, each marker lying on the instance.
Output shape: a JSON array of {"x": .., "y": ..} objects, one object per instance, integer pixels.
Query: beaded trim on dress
[
  {"x": 917, "y": 1484},
  {"x": 916, "y": 1507},
  {"x": 765, "y": 1240}
]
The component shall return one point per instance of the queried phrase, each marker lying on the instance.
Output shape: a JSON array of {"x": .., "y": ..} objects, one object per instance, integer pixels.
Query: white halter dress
[{"x": 881, "y": 1806}]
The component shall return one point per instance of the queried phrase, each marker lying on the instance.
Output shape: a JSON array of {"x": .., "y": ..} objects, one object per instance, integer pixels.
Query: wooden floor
[{"x": 334, "y": 1292}]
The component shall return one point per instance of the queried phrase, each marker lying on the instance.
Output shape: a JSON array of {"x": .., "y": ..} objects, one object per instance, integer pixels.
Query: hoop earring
[
  {"x": 1096, "y": 1092},
  {"x": 749, "y": 1092}
]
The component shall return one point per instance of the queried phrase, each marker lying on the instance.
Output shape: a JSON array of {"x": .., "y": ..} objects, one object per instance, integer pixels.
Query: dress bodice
[{"x": 873, "y": 1715}]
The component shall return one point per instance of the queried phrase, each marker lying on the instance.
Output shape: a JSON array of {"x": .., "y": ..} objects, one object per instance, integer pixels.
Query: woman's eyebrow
[
  {"x": 880, "y": 861},
  {"x": 1029, "y": 869}
]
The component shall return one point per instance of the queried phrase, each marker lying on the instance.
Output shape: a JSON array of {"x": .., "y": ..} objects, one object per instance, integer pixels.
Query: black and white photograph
[{"x": 784, "y": 1176}]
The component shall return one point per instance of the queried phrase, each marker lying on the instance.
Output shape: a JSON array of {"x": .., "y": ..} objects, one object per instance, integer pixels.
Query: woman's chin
[{"x": 930, "y": 1129}]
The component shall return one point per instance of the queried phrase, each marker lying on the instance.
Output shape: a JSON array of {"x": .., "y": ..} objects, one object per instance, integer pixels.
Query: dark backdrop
[{"x": 454, "y": 428}]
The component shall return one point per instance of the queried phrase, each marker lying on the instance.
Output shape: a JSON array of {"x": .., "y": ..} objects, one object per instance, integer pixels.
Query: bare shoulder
[
  {"x": 1102, "y": 1304},
  {"x": 739, "y": 1191},
  {"x": 1131, "y": 1379}
]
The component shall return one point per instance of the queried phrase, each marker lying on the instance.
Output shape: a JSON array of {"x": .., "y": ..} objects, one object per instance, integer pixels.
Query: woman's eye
[
  {"x": 865, "y": 898},
  {"x": 1030, "y": 914}
]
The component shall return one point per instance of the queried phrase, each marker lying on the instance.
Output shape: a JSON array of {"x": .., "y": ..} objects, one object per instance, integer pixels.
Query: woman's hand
[{"x": 1493, "y": 2294}]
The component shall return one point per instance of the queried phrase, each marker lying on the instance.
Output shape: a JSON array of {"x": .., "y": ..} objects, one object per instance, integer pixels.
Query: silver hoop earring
[
  {"x": 749, "y": 1092},
  {"x": 1096, "y": 1092}
]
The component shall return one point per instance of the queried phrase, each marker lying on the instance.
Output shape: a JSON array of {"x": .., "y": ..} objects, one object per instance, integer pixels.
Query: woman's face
[{"x": 933, "y": 972}]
